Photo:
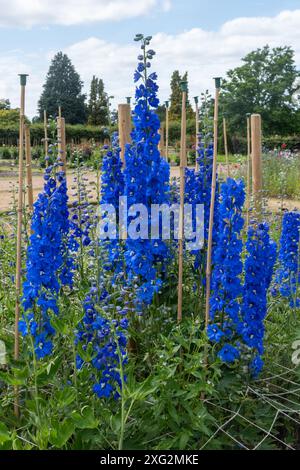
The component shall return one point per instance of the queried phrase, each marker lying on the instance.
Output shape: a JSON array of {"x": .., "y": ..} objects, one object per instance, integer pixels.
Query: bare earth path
[{"x": 9, "y": 181}]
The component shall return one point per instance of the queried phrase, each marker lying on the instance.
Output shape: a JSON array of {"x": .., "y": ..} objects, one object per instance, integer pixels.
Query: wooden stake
[
  {"x": 19, "y": 233},
  {"x": 167, "y": 131},
  {"x": 28, "y": 167},
  {"x": 196, "y": 129},
  {"x": 248, "y": 188},
  {"x": 45, "y": 136},
  {"x": 212, "y": 202},
  {"x": 226, "y": 146},
  {"x": 161, "y": 145},
  {"x": 124, "y": 122},
  {"x": 61, "y": 140},
  {"x": 181, "y": 210},
  {"x": 256, "y": 163}
]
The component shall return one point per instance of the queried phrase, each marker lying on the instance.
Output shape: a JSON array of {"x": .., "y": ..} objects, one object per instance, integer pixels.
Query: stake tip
[
  {"x": 23, "y": 78},
  {"x": 218, "y": 81},
  {"x": 184, "y": 85}
]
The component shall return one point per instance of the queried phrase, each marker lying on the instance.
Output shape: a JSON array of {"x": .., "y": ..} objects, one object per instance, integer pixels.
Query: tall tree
[
  {"x": 98, "y": 106},
  {"x": 4, "y": 103},
  {"x": 63, "y": 87},
  {"x": 266, "y": 83},
  {"x": 175, "y": 98}
]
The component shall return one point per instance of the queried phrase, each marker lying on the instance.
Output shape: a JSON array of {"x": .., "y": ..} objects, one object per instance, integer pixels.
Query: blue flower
[
  {"x": 227, "y": 269},
  {"x": 42, "y": 346},
  {"x": 259, "y": 265},
  {"x": 214, "y": 333},
  {"x": 146, "y": 182},
  {"x": 49, "y": 263},
  {"x": 107, "y": 336},
  {"x": 256, "y": 366},
  {"x": 228, "y": 353},
  {"x": 288, "y": 274}
]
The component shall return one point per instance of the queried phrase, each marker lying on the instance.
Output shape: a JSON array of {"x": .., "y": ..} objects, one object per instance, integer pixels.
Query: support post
[
  {"x": 167, "y": 131},
  {"x": 23, "y": 79},
  {"x": 212, "y": 200},
  {"x": 196, "y": 99},
  {"x": 248, "y": 194},
  {"x": 45, "y": 136},
  {"x": 226, "y": 146},
  {"x": 28, "y": 167},
  {"x": 161, "y": 145},
  {"x": 256, "y": 163},
  {"x": 61, "y": 140},
  {"x": 183, "y": 85},
  {"x": 124, "y": 122}
]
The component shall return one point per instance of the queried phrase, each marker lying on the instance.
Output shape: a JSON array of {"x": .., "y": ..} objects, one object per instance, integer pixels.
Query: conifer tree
[{"x": 63, "y": 87}]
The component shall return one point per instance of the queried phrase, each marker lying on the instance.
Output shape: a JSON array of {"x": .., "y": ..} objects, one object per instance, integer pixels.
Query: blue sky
[{"x": 203, "y": 37}]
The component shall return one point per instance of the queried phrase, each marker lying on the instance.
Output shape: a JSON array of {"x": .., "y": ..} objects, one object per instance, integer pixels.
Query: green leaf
[
  {"x": 48, "y": 371},
  {"x": 4, "y": 433},
  {"x": 10, "y": 379},
  {"x": 64, "y": 397},
  {"x": 88, "y": 354},
  {"x": 61, "y": 433},
  {"x": 85, "y": 419},
  {"x": 183, "y": 440}
]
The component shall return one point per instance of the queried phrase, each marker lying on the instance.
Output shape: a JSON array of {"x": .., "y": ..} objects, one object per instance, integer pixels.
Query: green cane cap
[
  {"x": 217, "y": 82},
  {"x": 167, "y": 104},
  {"x": 23, "y": 77},
  {"x": 184, "y": 85},
  {"x": 196, "y": 99},
  {"x": 128, "y": 99}
]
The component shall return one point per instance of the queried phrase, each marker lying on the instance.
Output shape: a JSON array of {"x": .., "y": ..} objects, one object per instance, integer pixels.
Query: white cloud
[
  {"x": 73, "y": 12},
  {"x": 204, "y": 54}
]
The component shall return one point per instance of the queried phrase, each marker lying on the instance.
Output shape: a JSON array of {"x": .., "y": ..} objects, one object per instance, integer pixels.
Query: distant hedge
[
  {"x": 78, "y": 133},
  {"x": 238, "y": 144},
  {"x": 9, "y": 135}
]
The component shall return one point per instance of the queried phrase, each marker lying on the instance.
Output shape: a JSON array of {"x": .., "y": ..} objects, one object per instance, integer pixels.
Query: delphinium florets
[
  {"x": 259, "y": 265},
  {"x": 227, "y": 270},
  {"x": 146, "y": 178},
  {"x": 101, "y": 339},
  {"x": 49, "y": 263},
  {"x": 287, "y": 280},
  {"x": 112, "y": 188}
]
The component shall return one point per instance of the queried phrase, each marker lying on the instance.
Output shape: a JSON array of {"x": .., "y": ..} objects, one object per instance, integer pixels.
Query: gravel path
[{"x": 8, "y": 182}]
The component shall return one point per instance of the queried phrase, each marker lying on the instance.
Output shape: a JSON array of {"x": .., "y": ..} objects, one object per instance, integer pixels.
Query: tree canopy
[
  {"x": 176, "y": 97},
  {"x": 4, "y": 103},
  {"x": 266, "y": 83},
  {"x": 98, "y": 105},
  {"x": 63, "y": 87}
]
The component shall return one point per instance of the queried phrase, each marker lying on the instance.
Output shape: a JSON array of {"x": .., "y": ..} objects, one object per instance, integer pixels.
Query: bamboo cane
[
  {"x": 45, "y": 136},
  {"x": 196, "y": 99},
  {"x": 167, "y": 131},
  {"x": 61, "y": 140},
  {"x": 212, "y": 201},
  {"x": 124, "y": 123},
  {"x": 248, "y": 171},
  {"x": 161, "y": 145},
  {"x": 23, "y": 79},
  {"x": 28, "y": 167},
  {"x": 181, "y": 210},
  {"x": 256, "y": 163},
  {"x": 226, "y": 146}
]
